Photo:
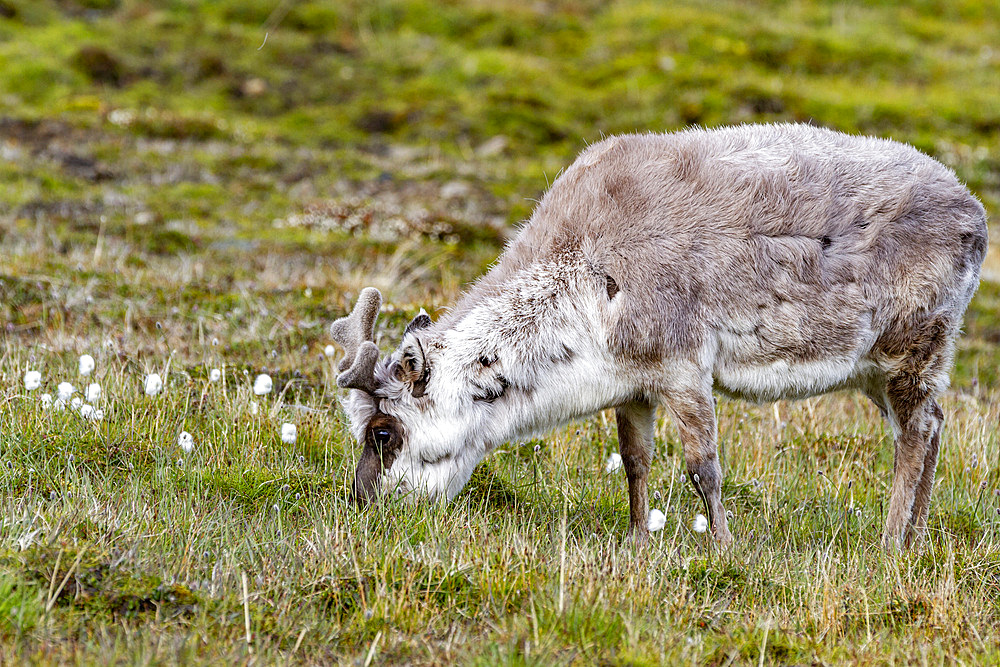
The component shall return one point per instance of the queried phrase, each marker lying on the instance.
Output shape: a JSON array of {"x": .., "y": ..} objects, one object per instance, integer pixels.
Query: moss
[
  {"x": 80, "y": 6},
  {"x": 100, "y": 65},
  {"x": 780, "y": 647},
  {"x": 713, "y": 578},
  {"x": 491, "y": 491},
  {"x": 169, "y": 242}
]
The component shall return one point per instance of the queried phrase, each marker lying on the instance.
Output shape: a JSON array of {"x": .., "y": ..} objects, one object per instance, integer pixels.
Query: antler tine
[
  {"x": 351, "y": 331},
  {"x": 356, "y": 334},
  {"x": 361, "y": 374}
]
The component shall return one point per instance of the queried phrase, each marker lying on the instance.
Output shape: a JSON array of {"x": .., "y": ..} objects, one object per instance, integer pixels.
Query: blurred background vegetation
[{"x": 289, "y": 144}]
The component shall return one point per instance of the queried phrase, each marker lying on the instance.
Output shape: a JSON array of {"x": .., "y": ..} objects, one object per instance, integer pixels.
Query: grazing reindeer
[{"x": 760, "y": 261}]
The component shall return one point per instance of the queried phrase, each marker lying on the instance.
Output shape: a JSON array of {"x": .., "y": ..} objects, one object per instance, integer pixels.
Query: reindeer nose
[
  {"x": 362, "y": 494},
  {"x": 366, "y": 478}
]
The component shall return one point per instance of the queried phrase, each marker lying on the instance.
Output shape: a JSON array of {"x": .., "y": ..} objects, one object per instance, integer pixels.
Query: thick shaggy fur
[{"x": 761, "y": 261}]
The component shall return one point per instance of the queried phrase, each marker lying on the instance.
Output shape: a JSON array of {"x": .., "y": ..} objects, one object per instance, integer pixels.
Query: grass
[{"x": 178, "y": 194}]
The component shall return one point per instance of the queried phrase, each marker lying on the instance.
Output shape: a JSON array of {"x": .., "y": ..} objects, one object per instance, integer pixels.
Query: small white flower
[
  {"x": 262, "y": 385},
  {"x": 65, "y": 390},
  {"x": 76, "y": 403},
  {"x": 88, "y": 411},
  {"x": 700, "y": 523},
  {"x": 46, "y": 401},
  {"x": 214, "y": 375},
  {"x": 86, "y": 364},
  {"x": 254, "y": 408},
  {"x": 59, "y": 404},
  {"x": 153, "y": 384},
  {"x": 32, "y": 380},
  {"x": 93, "y": 393},
  {"x": 613, "y": 463},
  {"x": 288, "y": 433},
  {"x": 186, "y": 442},
  {"x": 329, "y": 351},
  {"x": 656, "y": 521}
]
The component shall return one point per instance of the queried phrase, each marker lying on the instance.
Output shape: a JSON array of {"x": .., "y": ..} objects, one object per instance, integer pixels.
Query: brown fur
[
  {"x": 374, "y": 458},
  {"x": 831, "y": 237}
]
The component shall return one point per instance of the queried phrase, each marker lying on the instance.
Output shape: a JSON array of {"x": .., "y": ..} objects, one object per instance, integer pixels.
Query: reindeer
[{"x": 762, "y": 262}]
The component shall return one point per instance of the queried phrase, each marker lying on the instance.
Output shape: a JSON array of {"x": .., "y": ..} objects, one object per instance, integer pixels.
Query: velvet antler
[{"x": 356, "y": 334}]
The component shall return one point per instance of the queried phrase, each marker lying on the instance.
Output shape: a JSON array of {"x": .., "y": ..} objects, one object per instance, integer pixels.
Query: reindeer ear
[
  {"x": 421, "y": 321},
  {"x": 413, "y": 367}
]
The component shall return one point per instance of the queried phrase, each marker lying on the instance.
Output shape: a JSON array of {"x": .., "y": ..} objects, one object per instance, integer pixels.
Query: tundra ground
[{"x": 179, "y": 193}]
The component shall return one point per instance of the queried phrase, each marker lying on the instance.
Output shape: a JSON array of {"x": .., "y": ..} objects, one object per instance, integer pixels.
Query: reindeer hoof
[{"x": 722, "y": 537}]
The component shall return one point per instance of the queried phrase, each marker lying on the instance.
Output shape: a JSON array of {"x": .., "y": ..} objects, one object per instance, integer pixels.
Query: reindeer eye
[{"x": 381, "y": 436}]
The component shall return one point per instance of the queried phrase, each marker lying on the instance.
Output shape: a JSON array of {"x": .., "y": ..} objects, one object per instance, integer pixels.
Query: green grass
[{"x": 178, "y": 193}]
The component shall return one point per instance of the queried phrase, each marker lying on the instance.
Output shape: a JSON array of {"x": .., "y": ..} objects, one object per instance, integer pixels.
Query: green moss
[{"x": 779, "y": 646}]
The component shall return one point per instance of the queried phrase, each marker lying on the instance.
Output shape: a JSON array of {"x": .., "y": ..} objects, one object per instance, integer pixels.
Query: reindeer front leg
[
  {"x": 636, "y": 425},
  {"x": 694, "y": 411}
]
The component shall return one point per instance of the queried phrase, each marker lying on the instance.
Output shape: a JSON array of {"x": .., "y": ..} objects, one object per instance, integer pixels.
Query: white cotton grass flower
[
  {"x": 614, "y": 463},
  {"x": 700, "y": 523},
  {"x": 329, "y": 351},
  {"x": 32, "y": 380},
  {"x": 186, "y": 442},
  {"x": 214, "y": 375},
  {"x": 262, "y": 384},
  {"x": 76, "y": 403},
  {"x": 153, "y": 384},
  {"x": 65, "y": 390},
  {"x": 254, "y": 408},
  {"x": 88, "y": 411},
  {"x": 288, "y": 433},
  {"x": 93, "y": 393},
  {"x": 656, "y": 520},
  {"x": 86, "y": 364},
  {"x": 46, "y": 401}
]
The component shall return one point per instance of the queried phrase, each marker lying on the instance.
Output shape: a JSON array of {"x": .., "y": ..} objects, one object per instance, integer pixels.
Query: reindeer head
[{"x": 412, "y": 412}]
